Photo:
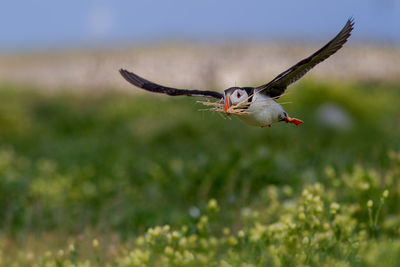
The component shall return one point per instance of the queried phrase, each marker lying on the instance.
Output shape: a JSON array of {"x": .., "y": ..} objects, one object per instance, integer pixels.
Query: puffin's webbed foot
[{"x": 293, "y": 120}]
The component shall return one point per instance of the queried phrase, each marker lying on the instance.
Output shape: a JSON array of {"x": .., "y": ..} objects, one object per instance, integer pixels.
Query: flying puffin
[{"x": 259, "y": 102}]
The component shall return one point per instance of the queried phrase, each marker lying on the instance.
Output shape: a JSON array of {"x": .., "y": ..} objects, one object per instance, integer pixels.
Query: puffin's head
[{"x": 233, "y": 96}]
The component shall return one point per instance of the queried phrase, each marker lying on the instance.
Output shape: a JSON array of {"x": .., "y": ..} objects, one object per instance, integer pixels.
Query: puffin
[{"x": 259, "y": 103}]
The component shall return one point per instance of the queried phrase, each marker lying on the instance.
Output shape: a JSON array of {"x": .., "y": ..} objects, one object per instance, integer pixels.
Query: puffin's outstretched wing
[
  {"x": 156, "y": 88},
  {"x": 278, "y": 85}
]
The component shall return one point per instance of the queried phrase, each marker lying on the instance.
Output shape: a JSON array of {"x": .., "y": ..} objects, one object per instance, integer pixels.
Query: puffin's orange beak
[{"x": 228, "y": 102}]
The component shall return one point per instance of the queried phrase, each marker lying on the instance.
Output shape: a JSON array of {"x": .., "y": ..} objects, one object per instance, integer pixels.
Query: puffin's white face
[
  {"x": 233, "y": 97},
  {"x": 238, "y": 96}
]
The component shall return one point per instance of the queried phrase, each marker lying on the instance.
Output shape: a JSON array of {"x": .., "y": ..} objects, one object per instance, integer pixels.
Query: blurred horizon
[{"x": 74, "y": 24}]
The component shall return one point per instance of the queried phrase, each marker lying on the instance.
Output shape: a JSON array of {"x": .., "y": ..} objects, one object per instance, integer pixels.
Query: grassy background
[{"x": 77, "y": 166}]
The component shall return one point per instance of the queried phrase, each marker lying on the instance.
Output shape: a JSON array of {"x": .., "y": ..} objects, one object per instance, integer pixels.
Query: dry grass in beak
[{"x": 239, "y": 109}]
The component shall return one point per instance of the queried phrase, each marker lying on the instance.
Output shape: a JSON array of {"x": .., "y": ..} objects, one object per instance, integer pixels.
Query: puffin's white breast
[{"x": 263, "y": 111}]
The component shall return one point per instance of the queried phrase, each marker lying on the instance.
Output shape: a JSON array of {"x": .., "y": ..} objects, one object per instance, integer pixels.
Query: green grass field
[{"x": 146, "y": 180}]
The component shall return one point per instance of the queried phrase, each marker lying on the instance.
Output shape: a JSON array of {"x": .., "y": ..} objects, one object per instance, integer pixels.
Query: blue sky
[{"x": 42, "y": 24}]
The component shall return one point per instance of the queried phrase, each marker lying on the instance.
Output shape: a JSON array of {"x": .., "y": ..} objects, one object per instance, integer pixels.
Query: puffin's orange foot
[
  {"x": 267, "y": 125},
  {"x": 293, "y": 120}
]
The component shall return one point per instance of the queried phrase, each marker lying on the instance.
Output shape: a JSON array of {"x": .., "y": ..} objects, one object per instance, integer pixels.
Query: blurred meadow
[{"x": 95, "y": 172}]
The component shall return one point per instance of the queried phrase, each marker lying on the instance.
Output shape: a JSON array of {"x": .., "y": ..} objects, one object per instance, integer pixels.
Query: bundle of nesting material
[{"x": 219, "y": 106}]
